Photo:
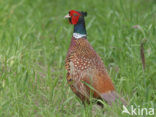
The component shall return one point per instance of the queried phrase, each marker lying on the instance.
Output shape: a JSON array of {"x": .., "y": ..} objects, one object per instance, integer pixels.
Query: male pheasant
[{"x": 86, "y": 73}]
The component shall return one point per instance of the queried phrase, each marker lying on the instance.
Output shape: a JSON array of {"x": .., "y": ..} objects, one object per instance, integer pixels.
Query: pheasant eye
[{"x": 75, "y": 14}]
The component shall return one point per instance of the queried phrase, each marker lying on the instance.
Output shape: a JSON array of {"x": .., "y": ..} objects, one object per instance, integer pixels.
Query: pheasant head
[{"x": 77, "y": 19}]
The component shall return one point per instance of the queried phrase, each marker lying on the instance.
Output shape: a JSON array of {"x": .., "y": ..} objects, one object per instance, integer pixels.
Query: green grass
[{"x": 34, "y": 39}]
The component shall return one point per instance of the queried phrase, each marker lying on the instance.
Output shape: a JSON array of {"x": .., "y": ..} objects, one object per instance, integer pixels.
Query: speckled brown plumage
[{"x": 84, "y": 65}]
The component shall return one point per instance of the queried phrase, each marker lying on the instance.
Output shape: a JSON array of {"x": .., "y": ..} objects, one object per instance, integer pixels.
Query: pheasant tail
[{"x": 113, "y": 97}]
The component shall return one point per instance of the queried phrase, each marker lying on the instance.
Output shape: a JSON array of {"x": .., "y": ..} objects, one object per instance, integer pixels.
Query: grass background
[{"x": 34, "y": 40}]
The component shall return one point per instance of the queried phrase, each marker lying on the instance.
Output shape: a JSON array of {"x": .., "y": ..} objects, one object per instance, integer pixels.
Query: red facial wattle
[{"x": 74, "y": 16}]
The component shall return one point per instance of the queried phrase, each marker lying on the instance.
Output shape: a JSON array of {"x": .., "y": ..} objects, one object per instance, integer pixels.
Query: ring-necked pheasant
[{"x": 86, "y": 73}]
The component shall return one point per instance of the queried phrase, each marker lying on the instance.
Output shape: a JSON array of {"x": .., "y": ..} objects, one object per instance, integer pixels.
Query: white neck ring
[{"x": 78, "y": 35}]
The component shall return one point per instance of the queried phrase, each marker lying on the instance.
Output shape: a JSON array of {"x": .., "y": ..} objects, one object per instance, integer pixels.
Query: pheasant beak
[{"x": 67, "y": 16}]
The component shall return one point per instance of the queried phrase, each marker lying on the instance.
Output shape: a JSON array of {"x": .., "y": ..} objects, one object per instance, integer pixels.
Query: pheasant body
[
  {"x": 86, "y": 73},
  {"x": 84, "y": 65}
]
